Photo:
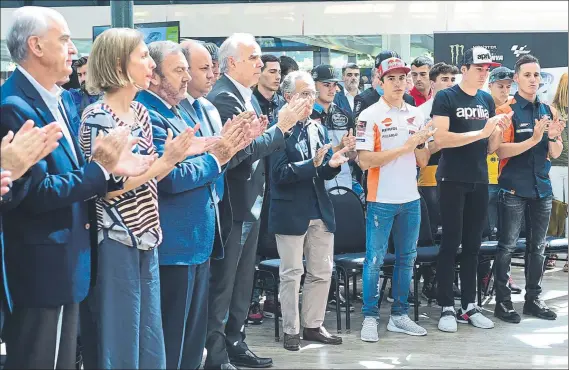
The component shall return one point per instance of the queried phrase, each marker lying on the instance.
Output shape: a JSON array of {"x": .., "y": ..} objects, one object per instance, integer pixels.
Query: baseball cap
[
  {"x": 324, "y": 73},
  {"x": 500, "y": 74},
  {"x": 478, "y": 55},
  {"x": 385, "y": 54},
  {"x": 391, "y": 64}
]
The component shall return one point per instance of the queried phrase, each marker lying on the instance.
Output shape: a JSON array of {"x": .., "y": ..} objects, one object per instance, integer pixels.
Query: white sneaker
[
  {"x": 403, "y": 324},
  {"x": 369, "y": 330},
  {"x": 473, "y": 315},
  {"x": 447, "y": 322}
]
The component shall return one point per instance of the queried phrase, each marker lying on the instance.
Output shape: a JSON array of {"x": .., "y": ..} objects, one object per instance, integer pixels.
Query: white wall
[{"x": 331, "y": 18}]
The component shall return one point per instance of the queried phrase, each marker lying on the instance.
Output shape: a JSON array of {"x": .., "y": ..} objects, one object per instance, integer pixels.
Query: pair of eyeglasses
[{"x": 308, "y": 94}]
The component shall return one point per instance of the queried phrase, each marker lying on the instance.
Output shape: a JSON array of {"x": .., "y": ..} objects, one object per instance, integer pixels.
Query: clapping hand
[
  {"x": 349, "y": 141},
  {"x": 200, "y": 145},
  {"x": 556, "y": 127},
  {"x": 320, "y": 154},
  {"x": 339, "y": 158}
]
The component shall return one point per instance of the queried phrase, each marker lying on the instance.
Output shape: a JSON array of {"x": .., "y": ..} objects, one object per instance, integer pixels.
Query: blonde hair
[
  {"x": 560, "y": 98},
  {"x": 109, "y": 59}
]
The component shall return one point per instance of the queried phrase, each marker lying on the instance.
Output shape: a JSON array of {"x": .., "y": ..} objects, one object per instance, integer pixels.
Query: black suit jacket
[
  {"x": 245, "y": 177},
  {"x": 295, "y": 182}
]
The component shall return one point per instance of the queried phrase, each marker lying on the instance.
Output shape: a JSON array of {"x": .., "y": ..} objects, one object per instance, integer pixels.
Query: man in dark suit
[
  {"x": 17, "y": 154},
  {"x": 298, "y": 195},
  {"x": 188, "y": 235},
  {"x": 232, "y": 277},
  {"x": 41, "y": 332}
]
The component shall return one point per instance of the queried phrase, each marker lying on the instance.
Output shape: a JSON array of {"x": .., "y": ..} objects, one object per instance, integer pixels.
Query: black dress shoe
[
  {"x": 320, "y": 335},
  {"x": 241, "y": 355},
  {"x": 291, "y": 342},
  {"x": 539, "y": 309}
]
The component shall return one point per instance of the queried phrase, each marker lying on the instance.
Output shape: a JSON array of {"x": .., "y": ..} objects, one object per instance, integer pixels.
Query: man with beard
[
  {"x": 345, "y": 98},
  {"x": 188, "y": 236},
  {"x": 422, "y": 89},
  {"x": 81, "y": 96}
]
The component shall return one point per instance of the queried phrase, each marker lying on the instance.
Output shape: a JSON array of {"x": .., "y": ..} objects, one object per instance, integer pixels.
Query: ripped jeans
[{"x": 382, "y": 219}]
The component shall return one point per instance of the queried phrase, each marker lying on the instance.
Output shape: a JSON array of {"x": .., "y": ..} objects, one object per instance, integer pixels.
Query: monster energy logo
[{"x": 456, "y": 51}]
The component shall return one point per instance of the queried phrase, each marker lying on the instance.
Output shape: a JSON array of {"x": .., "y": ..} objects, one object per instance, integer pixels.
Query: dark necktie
[
  {"x": 198, "y": 108},
  {"x": 176, "y": 112}
]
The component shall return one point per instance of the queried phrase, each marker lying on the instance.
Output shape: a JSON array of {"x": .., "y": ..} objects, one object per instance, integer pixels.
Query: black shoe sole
[
  {"x": 549, "y": 318},
  {"x": 242, "y": 364},
  {"x": 511, "y": 320}
]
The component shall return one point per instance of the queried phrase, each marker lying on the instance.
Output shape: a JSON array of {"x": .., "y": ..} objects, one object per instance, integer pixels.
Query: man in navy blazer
[
  {"x": 299, "y": 196},
  {"x": 48, "y": 252},
  {"x": 187, "y": 209}
]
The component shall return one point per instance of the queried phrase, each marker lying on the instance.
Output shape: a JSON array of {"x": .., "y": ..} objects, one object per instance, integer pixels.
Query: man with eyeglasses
[{"x": 345, "y": 98}]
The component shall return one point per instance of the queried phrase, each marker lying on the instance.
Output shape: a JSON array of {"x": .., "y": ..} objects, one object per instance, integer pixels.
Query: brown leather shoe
[
  {"x": 291, "y": 342},
  {"x": 320, "y": 335}
]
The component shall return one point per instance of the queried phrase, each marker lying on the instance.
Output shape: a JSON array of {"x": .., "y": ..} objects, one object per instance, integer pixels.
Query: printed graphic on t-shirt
[
  {"x": 477, "y": 113},
  {"x": 361, "y": 131}
]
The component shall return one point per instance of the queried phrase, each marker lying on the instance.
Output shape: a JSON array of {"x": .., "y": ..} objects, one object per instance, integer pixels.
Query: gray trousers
[
  {"x": 317, "y": 245},
  {"x": 230, "y": 288}
]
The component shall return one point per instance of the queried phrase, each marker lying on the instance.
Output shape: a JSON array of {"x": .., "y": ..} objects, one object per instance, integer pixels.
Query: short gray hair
[
  {"x": 28, "y": 21},
  {"x": 159, "y": 50},
  {"x": 230, "y": 48},
  {"x": 289, "y": 83}
]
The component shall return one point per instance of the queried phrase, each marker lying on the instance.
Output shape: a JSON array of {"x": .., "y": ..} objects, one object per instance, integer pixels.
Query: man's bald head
[{"x": 199, "y": 60}]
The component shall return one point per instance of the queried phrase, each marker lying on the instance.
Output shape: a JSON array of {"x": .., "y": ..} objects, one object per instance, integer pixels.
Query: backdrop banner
[{"x": 551, "y": 48}]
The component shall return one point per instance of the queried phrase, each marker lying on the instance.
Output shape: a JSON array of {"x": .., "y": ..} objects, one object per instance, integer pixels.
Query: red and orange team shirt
[{"x": 383, "y": 127}]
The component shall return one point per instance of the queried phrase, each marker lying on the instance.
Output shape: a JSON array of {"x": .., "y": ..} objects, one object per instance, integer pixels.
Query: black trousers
[
  {"x": 463, "y": 209},
  {"x": 230, "y": 290},
  {"x": 42, "y": 338},
  {"x": 184, "y": 296}
]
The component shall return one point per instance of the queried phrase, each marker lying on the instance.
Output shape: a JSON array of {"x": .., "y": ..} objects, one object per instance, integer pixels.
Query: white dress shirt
[{"x": 245, "y": 92}]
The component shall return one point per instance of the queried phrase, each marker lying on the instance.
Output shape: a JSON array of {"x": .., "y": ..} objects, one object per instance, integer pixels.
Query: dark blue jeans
[
  {"x": 511, "y": 210},
  {"x": 383, "y": 219}
]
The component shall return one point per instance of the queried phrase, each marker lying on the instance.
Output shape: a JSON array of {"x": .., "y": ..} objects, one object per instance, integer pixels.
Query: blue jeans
[
  {"x": 512, "y": 209},
  {"x": 404, "y": 221}
]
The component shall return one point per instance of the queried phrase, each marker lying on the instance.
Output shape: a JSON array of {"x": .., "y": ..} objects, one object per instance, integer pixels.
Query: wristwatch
[
  {"x": 421, "y": 146},
  {"x": 554, "y": 140}
]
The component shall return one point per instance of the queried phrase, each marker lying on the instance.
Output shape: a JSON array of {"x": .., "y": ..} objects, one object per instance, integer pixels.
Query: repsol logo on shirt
[{"x": 478, "y": 113}]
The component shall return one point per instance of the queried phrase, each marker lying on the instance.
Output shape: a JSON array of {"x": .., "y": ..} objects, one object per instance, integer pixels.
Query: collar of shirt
[
  {"x": 190, "y": 98},
  {"x": 524, "y": 103},
  {"x": 388, "y": 107},
  {"x": 50, "y": 97},
  {"x": 348, "y": 95},
  {"x": 417, "y": 94},
  {"x": 169, "y": 106},
  {"x": 245, "y": 92}
]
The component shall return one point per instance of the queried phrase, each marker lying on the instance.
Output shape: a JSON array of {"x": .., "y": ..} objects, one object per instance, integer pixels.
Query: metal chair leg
[
  {"x": 479, "y": 290},
  {"x": 276, "y": 293},
  {"x": 347, "y": 294},
  {"x": 416, "y": 291},
  {"x": 355, "y": 286},
  {"x": 338, "y": 311}
]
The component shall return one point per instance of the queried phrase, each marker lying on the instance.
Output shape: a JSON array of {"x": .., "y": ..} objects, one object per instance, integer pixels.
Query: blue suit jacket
[
  {"x": 48, "y": 257},
  {"x": 295, "y": 182},
  {"x": 74, "y": 121},
  {"x": 341, "y": 101},
  {"x": 187, "y": 209}
]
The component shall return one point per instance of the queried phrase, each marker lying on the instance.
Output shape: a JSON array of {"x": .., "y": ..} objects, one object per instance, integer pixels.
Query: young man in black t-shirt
[{"x": 467, "y": 131}]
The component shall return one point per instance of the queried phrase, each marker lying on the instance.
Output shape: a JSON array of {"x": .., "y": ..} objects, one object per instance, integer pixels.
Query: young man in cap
[
  {"x": 340, "y": 125},
  {"x": 467, "y": 131},
  {"x": 531, "y": 139},
  {"x": 372, "y": 94},
  {"x": 390, "y": 139}
]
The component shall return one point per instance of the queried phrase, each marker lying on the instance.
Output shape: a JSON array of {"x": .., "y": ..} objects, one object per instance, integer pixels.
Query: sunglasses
[{"x": 503, "y": 76}]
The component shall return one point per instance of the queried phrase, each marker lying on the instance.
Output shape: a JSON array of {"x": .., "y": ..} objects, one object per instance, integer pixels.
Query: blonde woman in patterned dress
[{"x": 121, "y": 318}]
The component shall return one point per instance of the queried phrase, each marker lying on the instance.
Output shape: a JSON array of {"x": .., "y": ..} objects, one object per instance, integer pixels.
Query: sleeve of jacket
[
  {"x": 325, "y": 171},
  {"x": 192, "y": 173},
  {"x": 285, "y": 172},
  {"x": 271, "y": 141},
  {"x": 38, "y": 191}
]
